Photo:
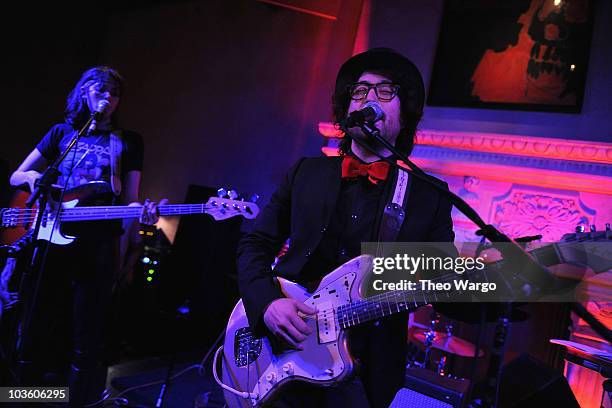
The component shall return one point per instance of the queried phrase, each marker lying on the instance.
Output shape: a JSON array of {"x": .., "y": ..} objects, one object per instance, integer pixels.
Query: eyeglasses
[
  {"x": 102, "y": 88},
  {"x": 384, "y": 91}
]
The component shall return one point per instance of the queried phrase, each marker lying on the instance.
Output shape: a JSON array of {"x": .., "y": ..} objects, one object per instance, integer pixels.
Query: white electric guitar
[
  {"x": 72, "y": 209},
  {"x": 253, "y": 374}
]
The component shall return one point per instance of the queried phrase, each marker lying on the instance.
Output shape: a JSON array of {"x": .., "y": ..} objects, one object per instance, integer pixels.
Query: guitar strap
[
  {"x": 394, "y": 213},
  {"x": 116, "y": 148}
]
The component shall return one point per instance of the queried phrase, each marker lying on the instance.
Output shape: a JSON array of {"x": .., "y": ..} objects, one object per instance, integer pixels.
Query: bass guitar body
[
  {"x": 251, "y": 365},
  {"x": 84, "y": 206},
  {"x": 96, "y": 193},
  {"x": 10, "y": 235}
]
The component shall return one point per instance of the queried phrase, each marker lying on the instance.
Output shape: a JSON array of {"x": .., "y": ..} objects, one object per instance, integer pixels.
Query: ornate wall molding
[
  {"x": 522, "y": 212},
  {"x": 551, "y": 163},
  {"x": 546, "y": 148},
  {"x": 522, "y": 175},
  {"x": 327, "y": 129},
  {"x": 459, "y": 155}
]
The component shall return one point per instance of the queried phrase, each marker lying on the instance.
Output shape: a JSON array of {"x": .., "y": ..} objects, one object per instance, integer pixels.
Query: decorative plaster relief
[{"x": 525, "y": 211}]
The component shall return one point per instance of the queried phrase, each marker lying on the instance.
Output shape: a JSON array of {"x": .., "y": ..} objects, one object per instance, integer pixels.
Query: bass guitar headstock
[{"x": 229, "y": 204}]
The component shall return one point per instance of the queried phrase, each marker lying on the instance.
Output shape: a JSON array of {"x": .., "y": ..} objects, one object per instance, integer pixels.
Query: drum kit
[
  {"x": 434, "y": 345},
  {"x": 427, "y": 339}
]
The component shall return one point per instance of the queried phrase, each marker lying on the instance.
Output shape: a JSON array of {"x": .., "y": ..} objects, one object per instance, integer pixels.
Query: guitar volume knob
[
  {"x": 271, "y": 377},
  {"x": 288, "y": 368}
]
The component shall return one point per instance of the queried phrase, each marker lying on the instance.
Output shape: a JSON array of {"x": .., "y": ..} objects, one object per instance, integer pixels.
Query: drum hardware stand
[
  {"x": 182, "y": 313},
  {"x": 498, "y": 351},
  {"x": 441, "y": 368},
  {"x": 430, "y": 336}
]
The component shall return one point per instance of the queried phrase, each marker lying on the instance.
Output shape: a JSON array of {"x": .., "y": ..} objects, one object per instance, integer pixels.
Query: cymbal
[{"x": 442, "y": 341}]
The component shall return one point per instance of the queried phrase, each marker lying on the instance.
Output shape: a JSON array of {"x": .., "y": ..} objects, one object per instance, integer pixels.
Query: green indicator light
[
  {"x": 149, "y": 278},
  {"x": 151, "y": 271}
]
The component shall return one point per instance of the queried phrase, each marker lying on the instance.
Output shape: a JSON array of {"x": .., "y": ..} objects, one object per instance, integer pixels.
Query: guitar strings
[
  {"x": 26, "y": 216},
  {"x": 29, "y": 215},
  {"x": 391, "y": 298}
]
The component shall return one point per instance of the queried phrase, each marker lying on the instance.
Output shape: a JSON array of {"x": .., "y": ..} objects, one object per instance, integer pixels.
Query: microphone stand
[
  {"x": 514, "y": 250},
  {"x": 508, "y": 247},
  {"x": 31, "y": 278}
]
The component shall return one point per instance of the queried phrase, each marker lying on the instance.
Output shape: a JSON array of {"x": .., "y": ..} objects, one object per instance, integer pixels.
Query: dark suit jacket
[{"x": 301, "y": 209}]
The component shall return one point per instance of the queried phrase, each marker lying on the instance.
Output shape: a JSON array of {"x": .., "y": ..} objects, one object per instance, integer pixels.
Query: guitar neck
[
  {"x": 379, "y": 306},
  {"x": 217, "y": 207},
  {"x": 392, "y": 302},
  {"x": 125, "y": 211}
]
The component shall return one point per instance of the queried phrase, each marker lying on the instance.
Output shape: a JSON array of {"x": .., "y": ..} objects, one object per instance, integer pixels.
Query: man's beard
[{"x": 368, "y": 143}]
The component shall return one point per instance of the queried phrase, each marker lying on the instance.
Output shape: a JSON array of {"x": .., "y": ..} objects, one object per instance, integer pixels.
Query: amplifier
[{"x": 426, "y": 389}]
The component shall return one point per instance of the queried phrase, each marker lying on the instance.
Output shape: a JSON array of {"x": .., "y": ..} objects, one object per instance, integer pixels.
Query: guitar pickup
[{"x": 326, "y": 323}]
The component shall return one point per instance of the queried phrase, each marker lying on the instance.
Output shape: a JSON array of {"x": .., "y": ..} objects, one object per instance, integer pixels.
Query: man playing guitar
[{"x": 327, "y": 209}]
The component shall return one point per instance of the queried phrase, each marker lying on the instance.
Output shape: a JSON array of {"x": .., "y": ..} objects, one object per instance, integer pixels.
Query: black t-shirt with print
[
  {"x": 92, "y": 155},
  {"x": 90, "y": 162}
]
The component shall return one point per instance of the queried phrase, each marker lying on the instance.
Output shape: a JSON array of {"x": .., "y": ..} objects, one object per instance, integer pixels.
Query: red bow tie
[{"x": 376, "y": 171}]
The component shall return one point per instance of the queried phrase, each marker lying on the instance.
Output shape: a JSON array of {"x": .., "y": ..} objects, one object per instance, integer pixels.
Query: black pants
[
  {"x": 68, "y": 320},
  {"x": 380, "y": 349}
]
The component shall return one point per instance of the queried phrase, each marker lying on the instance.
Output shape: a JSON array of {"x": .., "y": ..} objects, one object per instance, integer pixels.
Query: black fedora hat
[{"x": 403, "y": 72}]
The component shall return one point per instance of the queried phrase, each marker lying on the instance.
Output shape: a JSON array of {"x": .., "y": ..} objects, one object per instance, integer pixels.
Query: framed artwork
[{"x": 512, "y": 54}]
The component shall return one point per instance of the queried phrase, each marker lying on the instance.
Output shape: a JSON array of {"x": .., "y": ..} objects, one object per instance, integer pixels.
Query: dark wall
[
  {"x": 412, "y": 27},
  {"x": 225, "y": 93},
  {"x": 229, "y": 93},
  {"x": 44, "y": 52}
]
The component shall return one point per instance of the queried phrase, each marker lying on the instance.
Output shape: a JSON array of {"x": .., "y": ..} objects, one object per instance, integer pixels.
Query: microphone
[
  {"x": 102, "y": 107},
  {"x": 371, "y": 112}
]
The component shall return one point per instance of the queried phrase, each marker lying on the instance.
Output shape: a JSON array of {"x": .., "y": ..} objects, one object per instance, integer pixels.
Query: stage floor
[{"x": 140, "y": 382}]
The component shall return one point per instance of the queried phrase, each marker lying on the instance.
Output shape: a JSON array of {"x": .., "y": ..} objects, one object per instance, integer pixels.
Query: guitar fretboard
[
  {"x": 113, "y": 212},
  {"x": 222, "y": 209},
  {"x": 388, "y": 303}
]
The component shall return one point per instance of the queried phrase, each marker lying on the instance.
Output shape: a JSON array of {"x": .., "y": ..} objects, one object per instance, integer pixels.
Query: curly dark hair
[
  {"x": 401, "y": 71},
  {"x": 77, "y": 112}
]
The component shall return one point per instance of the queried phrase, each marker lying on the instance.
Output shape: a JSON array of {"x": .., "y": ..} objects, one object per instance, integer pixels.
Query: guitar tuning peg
[
  {"x": 232, "y": 194},
  {"x": 255, "y": 197},
  {"x": 221, "y": 192},
  {"x": 579, "y": 228}
]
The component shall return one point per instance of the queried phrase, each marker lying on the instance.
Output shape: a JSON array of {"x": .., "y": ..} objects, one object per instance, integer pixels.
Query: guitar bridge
[{"x": 247, "y": 347}]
